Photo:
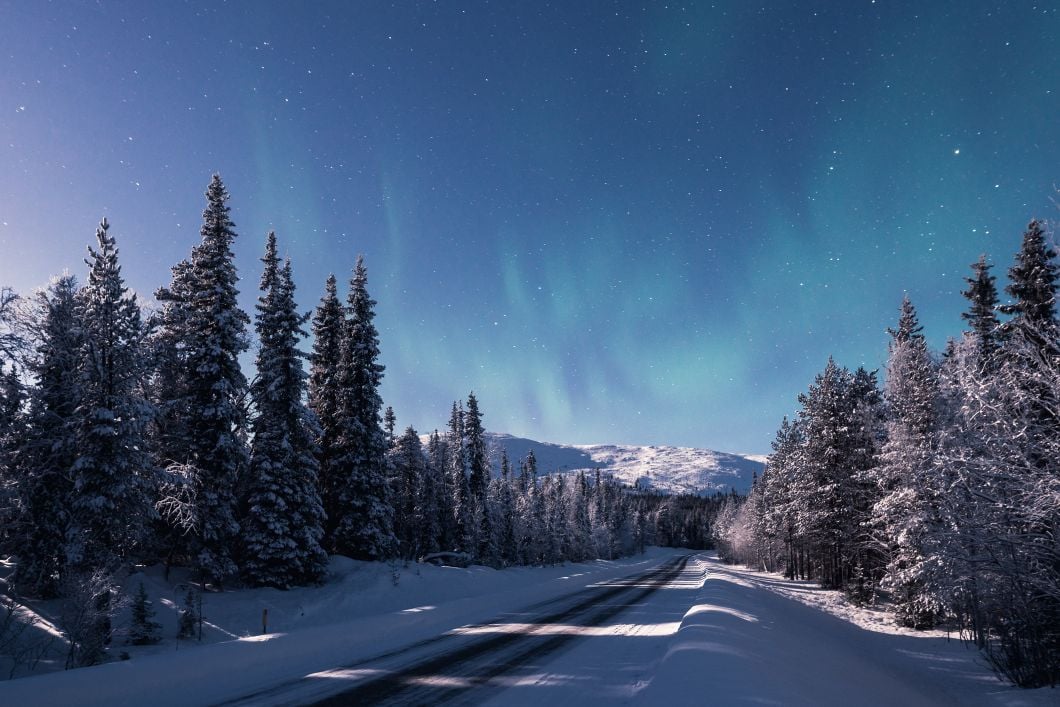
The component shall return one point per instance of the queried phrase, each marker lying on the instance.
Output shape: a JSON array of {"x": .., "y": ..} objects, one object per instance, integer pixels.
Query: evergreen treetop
[
  {"x": 1033, "y": 283},
  {"x": 982, "y": 310}
]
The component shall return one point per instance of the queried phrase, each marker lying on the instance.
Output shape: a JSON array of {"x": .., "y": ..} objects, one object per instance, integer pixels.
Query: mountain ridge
[{"x": 660, "y": 467}]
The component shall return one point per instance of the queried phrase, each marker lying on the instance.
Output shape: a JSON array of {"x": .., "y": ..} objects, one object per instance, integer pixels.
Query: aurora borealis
[{"x": 615, "y": 222}]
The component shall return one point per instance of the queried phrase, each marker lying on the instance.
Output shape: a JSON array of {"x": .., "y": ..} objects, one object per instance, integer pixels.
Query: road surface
[
  {"x": 690, "y": 631},
  {"x": 473, "y": 663}
]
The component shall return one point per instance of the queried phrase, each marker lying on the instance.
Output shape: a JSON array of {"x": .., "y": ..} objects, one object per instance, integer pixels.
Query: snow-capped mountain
[{"x": 667, "y": 469}]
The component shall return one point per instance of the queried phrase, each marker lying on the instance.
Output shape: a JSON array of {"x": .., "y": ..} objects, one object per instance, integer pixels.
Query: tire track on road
[{"x": 453, "y": 674}]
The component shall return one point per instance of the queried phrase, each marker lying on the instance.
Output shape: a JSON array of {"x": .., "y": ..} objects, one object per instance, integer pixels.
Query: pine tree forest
[
  {"x": 936, "y": 491},
  {"x": 132, "y": 435}
]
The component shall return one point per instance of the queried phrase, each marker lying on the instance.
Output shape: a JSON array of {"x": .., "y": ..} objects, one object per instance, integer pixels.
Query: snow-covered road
[
  {"x": 668, "y": 628},
  {"x": 690, "y": 632},
  {"x": 470, "y": 663},
  {"x": 718, "y": 635}
]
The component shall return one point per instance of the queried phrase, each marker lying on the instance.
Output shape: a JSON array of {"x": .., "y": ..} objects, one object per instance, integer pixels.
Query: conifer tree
[
  {"x": 478, "y": 479},
  {"x": 408, "y": 485},
  {"x": 867, "y": 435},
  {"x": 581, "y": 530},
  {"x": 12, "y": 342},
  {"x": 144, "y": 630},
  {"x": 598, "y": 517},
  {"x": 618, "y": 520},
  {"x": 283, "y": 525},
  {"x": 364, "y": 528},
  {"x": 389, "y": 422},
  {"x": 12, "y": 432},
  {"x": 982, "y": 310},
  {"x": 1033, "y": 285},
  {"x": 438, "y": 469},
  {"x": 189, "y": 619},
  {"x": 214, "y": 335},
  {"x": 506, "y": 512},
  {"x": 168, "y": 389},
  {"x": 456, "y": 453},
  {"x": 431, "y": 530},
  {"x": 832, "y": 447},
  {"x": 535, "y": 540},
  {"x": 475, "y": 441},
  {"x": 528, "y": 471},
  {"x": 1033, "y": 341},
  {"x": 328, "y": 334},
  {"x": 905, "y": 515},
  {"x": 113, "y": 469},
  {"x": 781, "y": 482},
  {"x": 47, "y": 454},
  {"x": 170, "y": 376}
]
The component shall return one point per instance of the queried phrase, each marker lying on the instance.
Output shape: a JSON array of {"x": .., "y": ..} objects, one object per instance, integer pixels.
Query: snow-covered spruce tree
[
  {"x": 551, "y": 539},
  {"x": 829, "y": 489},
  {"x": 1033, "y": 333},
  {"x": 439, "y": 496},
  {"x": 328, "y": 332},
  {"x": 780, "y": 487},
  {"x": 972, "y": 488},
  {"x": 598, "y": 518},
  {"x": 169, "y": 430},
  {"x": 189, "y": 621},
  {"x": 284, "y": 519},
  {"x": 1025, "y": 454},
  {"x": 389, "y": 422},
  {"x": 864, "y": 564},
  {"x": 906, "y": 518},
  {"x": 982, "y": 310},
  {"x": 12, "y": 431},
  {"x": 408, "y": 469},
  {"x": 456, "y": 452},
  {"x": 45, "y": 457},
  {"x": 1033, "y": 285},
  {"x": 365, "y": 523},
  {"x": 429, "y": 532},
  {"x": 532, "y": 513},
  {"x": 111, "y": 501},
  {"x": 214, "y": 335},
  {"x": 11, "y": 397},
  {"x": 620, "y": 520},
  {"x": 478, "y": 479},
  {"x": 144, "y": 630},
  {"x": 12, "y": 342},
  {"x": 507, "y": 535},
  {"x": 169, "y": 376},
  {"x": 580, "y": 529}
]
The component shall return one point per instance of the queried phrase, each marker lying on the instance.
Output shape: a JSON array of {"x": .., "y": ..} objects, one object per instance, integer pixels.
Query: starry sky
[{"x": 632, "y": 222}]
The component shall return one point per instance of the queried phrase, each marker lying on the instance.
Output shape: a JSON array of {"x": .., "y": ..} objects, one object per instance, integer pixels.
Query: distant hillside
[{"x": 667, "y": 469}]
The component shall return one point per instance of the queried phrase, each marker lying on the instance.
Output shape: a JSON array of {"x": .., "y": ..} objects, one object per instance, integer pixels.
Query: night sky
[{"x": 614, "y": 221}]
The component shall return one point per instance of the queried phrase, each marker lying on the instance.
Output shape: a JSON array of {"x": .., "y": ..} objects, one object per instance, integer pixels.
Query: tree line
[
  {"x": 940, "y": 492},
  {"x": 132, "y": 436}
]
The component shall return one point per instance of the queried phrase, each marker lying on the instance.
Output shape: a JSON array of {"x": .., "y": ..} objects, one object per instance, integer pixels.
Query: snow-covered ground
[
  {"x": 365, "y": 608},
  {"x": 721, "y": 635},
  {"x": 667, "y": 469},
  {"x": 712, "y": 634}
]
